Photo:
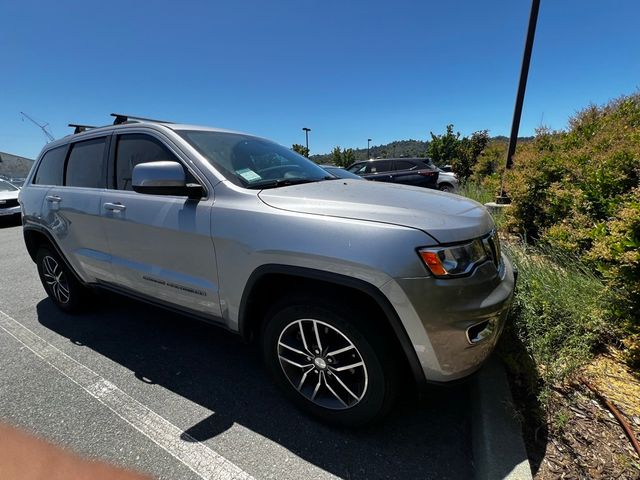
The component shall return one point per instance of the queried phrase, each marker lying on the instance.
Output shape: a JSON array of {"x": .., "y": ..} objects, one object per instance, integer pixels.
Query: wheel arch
[
  {"x": 35, "y": 237},
  {"x": 267, "y": 280}
]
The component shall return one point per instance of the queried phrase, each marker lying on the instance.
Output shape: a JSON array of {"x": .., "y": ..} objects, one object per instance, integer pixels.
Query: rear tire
[
  {"x": 60, "y": 283},
  {"x": 446, "y": 187},
  {"x": 315, "y": 376}
]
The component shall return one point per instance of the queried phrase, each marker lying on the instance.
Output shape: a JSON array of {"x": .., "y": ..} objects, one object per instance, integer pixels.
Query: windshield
[
  {"x": 7, "y": 187},
  {"x": 252, "y": 162}
]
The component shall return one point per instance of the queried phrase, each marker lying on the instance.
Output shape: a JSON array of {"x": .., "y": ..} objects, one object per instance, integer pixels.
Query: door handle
[
  {"x": 114, "y": 207},
  {"x": 53, "y": 199}
]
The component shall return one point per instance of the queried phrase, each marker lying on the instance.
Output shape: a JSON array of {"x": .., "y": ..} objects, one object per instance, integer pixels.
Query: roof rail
[
  {"x": 80, "y": 128},
  {"x": 123, "y": 118}
]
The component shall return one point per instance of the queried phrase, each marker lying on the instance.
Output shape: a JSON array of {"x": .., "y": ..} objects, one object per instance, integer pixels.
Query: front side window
[
  {"x": 86, "y": 164},
  {"x": 358, "y": 168},
  {"x": 252, "y": 162},
  {"x": 51, "y": 168},
  {"x": 136, "y": 148}
]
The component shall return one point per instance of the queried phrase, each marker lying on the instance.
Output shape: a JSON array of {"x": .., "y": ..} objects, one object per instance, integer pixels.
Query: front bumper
[
  {"x": 454, "y": 324},
  {"x": 10, "y": 211}
]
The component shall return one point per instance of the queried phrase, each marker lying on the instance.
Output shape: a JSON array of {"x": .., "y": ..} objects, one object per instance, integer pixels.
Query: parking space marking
[{"x": 198, "y": 457}]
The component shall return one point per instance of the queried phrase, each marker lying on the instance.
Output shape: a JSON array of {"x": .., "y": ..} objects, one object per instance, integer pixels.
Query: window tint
[
  {"x": 357, "y": 168},
  {"x": 134, "y": 149},
  {"x": 85, "y": 167},
  {"x": 51, "y": 167},
  {"x": 404, "y": 165},
  {"x": 379, "y": 166}
]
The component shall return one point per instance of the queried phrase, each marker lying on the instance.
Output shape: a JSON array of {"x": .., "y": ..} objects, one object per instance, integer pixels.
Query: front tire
[
  {"x": 60, "y": 283},
  {"x": 331, "y": 361},
  {"x": 446, "y": 187}
]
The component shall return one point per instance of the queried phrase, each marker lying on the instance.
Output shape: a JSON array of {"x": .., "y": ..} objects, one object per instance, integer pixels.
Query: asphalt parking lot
[{"x": 197, "y": 386}]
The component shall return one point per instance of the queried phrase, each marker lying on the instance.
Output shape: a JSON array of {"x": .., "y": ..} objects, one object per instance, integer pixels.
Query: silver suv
[{"x": 349, "y": 287}]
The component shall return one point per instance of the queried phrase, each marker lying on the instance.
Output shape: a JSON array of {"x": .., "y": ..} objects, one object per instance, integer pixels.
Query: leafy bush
[
  {"x": 578, "y": 191},
  {"x": 561, "y": 310}
]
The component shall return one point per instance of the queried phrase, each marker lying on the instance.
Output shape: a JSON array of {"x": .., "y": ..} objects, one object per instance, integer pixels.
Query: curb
[{"x": 496, "y": 436}]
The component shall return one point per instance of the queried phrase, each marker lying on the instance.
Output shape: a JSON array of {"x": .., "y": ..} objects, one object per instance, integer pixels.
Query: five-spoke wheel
[
  {"x": 59, "y": 282},
  {"x": 56, "y": 279},
  {"x": 331, "y": 360},
  {"x": 322, "y": 364}
]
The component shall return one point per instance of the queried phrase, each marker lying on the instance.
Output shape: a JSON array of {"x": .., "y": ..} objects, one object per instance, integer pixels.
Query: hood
[
  {"x": 9, "y": 195},
  {"x": 446, "y": 217}
]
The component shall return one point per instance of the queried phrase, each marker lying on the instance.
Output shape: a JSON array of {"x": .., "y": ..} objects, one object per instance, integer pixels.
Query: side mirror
[{"x": 164, "y": 178}]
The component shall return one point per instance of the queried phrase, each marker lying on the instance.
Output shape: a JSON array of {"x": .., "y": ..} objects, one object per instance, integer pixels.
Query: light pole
[
  {"x": 368, "y": 145},
  {"x": 522, "y": 86},
  {"x": 306, "y": 136}
]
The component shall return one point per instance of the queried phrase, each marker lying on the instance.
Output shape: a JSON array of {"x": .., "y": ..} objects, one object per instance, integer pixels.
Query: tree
[
  {"x": 348, "y": 157},
  {"x": 301, "y": 149},
  {"x": 336, "y": 156},
  {"x": 443, "y": 149},
  {"x": 461, "y": 153},
  {"x": 470, "y": 150}
]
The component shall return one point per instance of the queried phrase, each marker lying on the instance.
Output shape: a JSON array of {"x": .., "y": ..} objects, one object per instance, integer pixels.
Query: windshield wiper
[{"x": 282, "y": 182}]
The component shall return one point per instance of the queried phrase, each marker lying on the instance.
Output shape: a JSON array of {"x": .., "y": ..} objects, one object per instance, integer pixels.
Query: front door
[{"x": 160, "y": 245}]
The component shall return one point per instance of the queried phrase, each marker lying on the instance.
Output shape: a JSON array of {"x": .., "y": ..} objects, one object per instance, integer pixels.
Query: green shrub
[
  {"x": 561, "y": 310},
  {"x": 578, "y": 192}
]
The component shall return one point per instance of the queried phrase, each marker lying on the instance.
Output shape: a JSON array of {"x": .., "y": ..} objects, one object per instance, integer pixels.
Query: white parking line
[{"x": 195, "y": 455}]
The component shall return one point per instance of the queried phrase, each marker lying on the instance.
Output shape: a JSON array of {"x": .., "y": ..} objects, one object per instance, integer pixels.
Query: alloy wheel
[
  {"x": 322, "y": 364},
  {"x": 55, "y": 277}
]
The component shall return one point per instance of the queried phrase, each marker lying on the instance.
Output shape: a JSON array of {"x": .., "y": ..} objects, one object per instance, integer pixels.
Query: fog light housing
[{"x": 481, "y": 331}]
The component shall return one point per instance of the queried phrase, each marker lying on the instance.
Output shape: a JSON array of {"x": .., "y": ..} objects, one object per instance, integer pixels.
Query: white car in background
[
  {"x": 9, "y": 199},
  {"x": 447, "y": 181}
]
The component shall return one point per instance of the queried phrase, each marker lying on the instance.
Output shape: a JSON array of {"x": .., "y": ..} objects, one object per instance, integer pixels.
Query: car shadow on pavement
[
  {"x": 10, "y": 221},
  {"x": 217, "y": 370}
]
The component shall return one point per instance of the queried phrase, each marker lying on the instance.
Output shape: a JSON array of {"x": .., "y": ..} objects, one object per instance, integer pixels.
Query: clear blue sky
[{"x": 349, "y": 70}]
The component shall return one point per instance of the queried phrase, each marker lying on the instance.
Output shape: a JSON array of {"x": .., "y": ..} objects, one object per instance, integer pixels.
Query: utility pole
[
  {"x": 306, "y": 136},
  {"x": 42, "y": 126},
  {"x": 522, "y": 86},
  {"x": 368, "y": 148}
]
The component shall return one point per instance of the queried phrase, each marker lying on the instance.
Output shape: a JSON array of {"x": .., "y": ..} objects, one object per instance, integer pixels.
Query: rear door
[
  {"x": 411, "y": 172},
  {"x": 161, "y": 245},
  {"x": 379, "y": 171},
  {"x": 405, "y": 172},
  {"x": 71, "y": 208}
]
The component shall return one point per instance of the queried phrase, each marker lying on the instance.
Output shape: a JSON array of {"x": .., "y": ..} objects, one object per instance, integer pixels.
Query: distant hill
[
  {"x": 399, "y": 148},
  {"x": 14, "y": 166}
]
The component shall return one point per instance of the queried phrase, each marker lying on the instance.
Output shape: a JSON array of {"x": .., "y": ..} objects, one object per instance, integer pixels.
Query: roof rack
[
  {"x": 124, "y": 118},
  {"x": 80, "y": 128}
]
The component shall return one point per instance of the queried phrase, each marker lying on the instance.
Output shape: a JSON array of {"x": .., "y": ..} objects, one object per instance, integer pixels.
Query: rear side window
[
  {"x": 51, "y": 167},
  {"x": 134, "y": 149},
  {"x": 381, "y": 166},
  {"x": 404, "y": 165},
  {"x": 86, "y": 164}
]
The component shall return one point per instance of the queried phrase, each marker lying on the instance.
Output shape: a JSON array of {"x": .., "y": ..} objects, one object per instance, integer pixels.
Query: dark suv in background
[{"x": 419, "y": 172}]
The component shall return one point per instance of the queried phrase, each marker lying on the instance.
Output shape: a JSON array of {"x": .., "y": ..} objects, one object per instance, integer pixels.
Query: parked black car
[{"x": 408, "y": 171}]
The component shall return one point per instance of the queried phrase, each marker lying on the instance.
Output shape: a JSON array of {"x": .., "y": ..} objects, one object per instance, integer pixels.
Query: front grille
[{"x": 12, "y": 202}]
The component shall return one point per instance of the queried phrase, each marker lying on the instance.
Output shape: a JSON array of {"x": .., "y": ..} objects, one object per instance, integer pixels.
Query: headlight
[{"x": 455, "y": 260}]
